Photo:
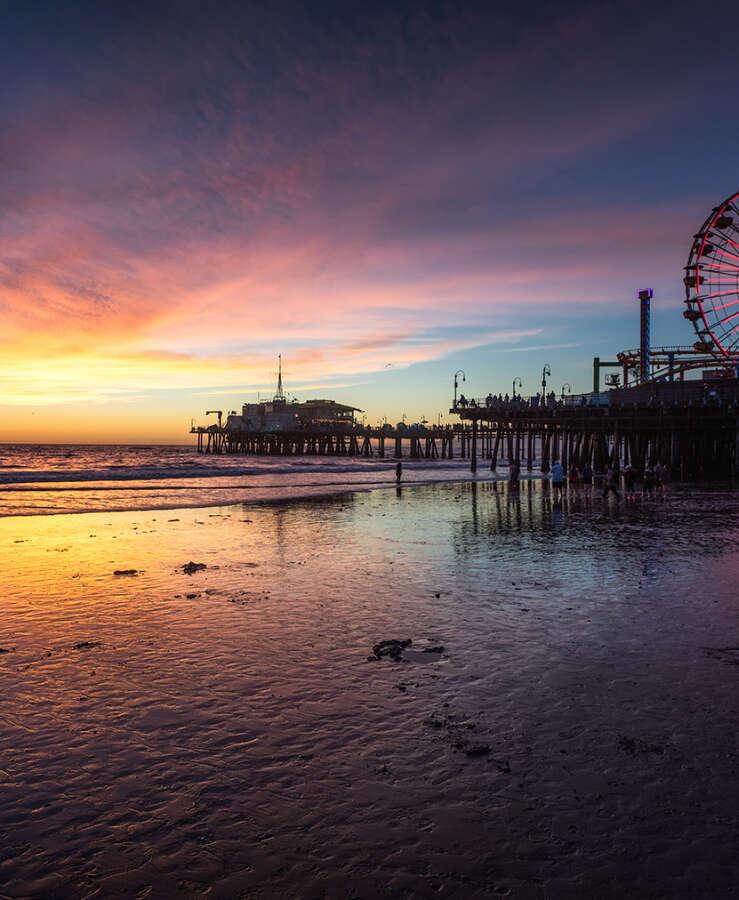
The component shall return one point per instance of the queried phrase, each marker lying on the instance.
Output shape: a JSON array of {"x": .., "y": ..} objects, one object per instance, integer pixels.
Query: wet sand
[{"x": 230, "y": 731}]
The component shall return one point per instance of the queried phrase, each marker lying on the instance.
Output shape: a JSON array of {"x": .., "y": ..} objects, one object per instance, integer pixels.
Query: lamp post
[
  {"x": 544, "y": 372},
  {"x": 569, "y": 390},
  {"x": 456, "y": 374},
  {"x": 520, "y": 384}
]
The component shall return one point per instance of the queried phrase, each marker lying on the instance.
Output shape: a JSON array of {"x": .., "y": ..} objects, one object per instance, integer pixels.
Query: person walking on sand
[
  {"x": 648, "y": 481},
  {"x": 398, "y": 472},
  {"x": 587, "y": 478},
  {"x": 665, "y": 478},
  {"x": 513, "y": 475},
  {"x": 611, "y": 482},
  {"x": 630, "y": 480},
  {"x": 573, "y": 476},
  {"x": 558, "y": 476},
  {"x": 658, "y": 470}
]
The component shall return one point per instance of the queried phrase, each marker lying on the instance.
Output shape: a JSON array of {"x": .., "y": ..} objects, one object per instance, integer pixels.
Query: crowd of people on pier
[
  {"x": 504, "y": 402},
  {"x": 648, "y": 484}
]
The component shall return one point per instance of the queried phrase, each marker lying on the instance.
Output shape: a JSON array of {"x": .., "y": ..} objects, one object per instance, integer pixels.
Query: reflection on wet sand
[{"x": 562, "y": 722}]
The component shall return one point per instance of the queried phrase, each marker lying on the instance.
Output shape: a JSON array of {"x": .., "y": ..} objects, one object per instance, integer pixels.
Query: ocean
[{"x": 47, "y": 479}]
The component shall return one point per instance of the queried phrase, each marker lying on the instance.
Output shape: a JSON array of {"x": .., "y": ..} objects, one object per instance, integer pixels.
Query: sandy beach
[{"x": 563, "y": 723}]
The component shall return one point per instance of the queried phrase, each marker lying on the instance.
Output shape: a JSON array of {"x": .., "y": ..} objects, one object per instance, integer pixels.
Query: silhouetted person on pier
[{"x": 462, "y": 401}]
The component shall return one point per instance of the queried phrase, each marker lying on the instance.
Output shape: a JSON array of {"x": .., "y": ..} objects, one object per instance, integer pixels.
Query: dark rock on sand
[
  {"x": 191, "y": 567},
  {"x": 86, "y": 645},
  {"x": 632, "y": 746},
  {"x": 478, "y": 750},
  {"x": 7, "y": 649},
  {"x": 126, "y": 572},
  {"x": 438, "y": 649},
  {"x": 393, "y": 649}
]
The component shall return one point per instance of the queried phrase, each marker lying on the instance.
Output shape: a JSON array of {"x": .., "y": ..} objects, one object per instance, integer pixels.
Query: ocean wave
[{"x": 256, "y": 469}]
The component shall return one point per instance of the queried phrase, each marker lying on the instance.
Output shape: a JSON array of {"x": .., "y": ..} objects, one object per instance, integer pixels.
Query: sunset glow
[{"x": 183, "y": 199}]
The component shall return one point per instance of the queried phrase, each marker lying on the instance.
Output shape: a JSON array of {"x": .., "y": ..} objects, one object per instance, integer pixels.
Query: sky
[{"x": 384, "y": 193}]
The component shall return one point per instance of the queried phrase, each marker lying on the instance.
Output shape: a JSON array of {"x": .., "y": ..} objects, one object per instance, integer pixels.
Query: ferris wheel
[{"x": 712, "y": 281}]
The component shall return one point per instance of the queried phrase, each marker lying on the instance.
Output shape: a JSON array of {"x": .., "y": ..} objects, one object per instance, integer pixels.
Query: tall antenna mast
[{"x": 279, "y": 395}]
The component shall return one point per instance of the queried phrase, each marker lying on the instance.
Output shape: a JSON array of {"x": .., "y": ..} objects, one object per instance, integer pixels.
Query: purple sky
[{"x": 381, "y": 193}]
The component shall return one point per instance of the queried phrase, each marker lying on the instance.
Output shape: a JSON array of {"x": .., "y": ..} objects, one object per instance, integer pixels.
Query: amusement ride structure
[{"x": 712, "y": 306}]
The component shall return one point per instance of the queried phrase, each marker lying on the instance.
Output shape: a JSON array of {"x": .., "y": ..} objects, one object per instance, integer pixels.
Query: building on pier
[{"x": 280, "y": 414}]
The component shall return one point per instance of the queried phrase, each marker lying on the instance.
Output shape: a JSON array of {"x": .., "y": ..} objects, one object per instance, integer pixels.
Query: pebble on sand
[{"x": 392, "y": 648}]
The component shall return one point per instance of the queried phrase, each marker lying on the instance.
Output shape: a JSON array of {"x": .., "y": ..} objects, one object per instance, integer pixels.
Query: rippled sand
[{"x": 230, "y": 732}]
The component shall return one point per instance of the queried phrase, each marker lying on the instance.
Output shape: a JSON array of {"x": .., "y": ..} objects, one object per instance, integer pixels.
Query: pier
[
  {"x": 692, "y": 426},
  {"x": 343, "y": 440}
]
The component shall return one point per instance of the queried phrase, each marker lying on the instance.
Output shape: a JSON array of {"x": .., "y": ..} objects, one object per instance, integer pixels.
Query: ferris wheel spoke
[
  {"x": 727, "y": 318},
  {"x": 721, "y": 339},
  {"x": 703, "y": 297},
  {"x": 726, "y": 253},
  {"x": 723, "y": 306}
]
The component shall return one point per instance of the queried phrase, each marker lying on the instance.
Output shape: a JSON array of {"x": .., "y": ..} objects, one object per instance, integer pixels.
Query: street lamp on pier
[
  {"x": 520, "y": 384},
  {"x": 569, "y": 390},
  {"x": 456, "y": 374},
  {"x": 544, "y": 372}
]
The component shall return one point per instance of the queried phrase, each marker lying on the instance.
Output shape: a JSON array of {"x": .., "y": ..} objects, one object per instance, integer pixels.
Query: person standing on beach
[
  {"x": 611, "y": 482},
  {"x": 630, "y": 479},
  {"x": 398, "y": 472},
  {"x": 665, "y": 478},
  {"x": 558, "y": 476},
  {"x": 648, "y": 481},
  {"x": 658, "y": 478},
  {"x": 587, "y": 478},
  {"x": 513, "y": 475}
]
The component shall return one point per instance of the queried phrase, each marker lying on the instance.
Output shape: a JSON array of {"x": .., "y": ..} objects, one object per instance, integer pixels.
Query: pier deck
[{"x": 694, "y": 438}]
